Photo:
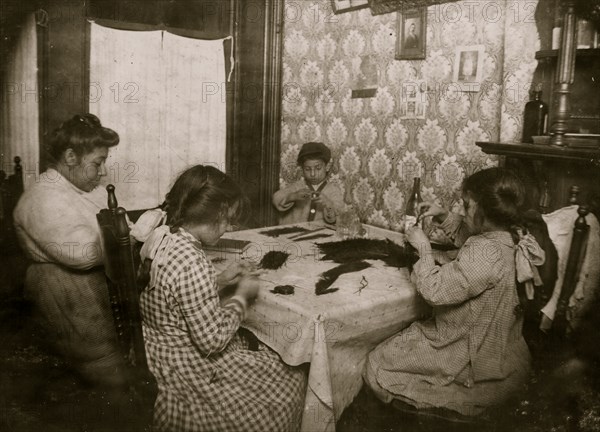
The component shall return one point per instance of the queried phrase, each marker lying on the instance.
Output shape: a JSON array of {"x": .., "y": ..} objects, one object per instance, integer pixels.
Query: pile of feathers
[{"x": 352, "y": 253}]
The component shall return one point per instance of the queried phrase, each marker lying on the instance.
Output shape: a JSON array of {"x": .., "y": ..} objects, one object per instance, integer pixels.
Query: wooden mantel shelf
[{"x": 542, "y": 152}]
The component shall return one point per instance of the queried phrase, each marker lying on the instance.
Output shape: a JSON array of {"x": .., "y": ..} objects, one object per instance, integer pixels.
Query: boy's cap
[{"x": 315, "y": 150}]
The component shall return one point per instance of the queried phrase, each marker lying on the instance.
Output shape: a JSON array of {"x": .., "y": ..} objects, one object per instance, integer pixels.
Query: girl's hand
[
  {"x": 232, "y": 274},
  {"x": 299, "y": 195},
  {"x": 248, "y": 287},
  {"x": 417, "y": 238},
  {"x": 429, "y": 208}
]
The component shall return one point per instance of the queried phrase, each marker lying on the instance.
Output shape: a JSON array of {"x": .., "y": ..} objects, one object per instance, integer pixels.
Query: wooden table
[{"x": 334, "y": 332}]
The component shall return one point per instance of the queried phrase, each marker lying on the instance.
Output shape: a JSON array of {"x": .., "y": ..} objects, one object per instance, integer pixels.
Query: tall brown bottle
[
  {"x": 535, "y": 118},
  {"x": 412, "y": 204}
]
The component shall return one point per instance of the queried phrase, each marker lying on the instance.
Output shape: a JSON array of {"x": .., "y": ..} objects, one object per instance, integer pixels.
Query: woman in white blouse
[{"x": 56, "y": 224}]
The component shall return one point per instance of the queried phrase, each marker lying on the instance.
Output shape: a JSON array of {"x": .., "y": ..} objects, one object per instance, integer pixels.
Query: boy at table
[{"x": 313, "y": 197}]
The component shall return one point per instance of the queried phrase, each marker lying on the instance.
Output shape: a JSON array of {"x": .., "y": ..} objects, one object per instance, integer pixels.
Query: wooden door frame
[{"x": 253, "y": 139}]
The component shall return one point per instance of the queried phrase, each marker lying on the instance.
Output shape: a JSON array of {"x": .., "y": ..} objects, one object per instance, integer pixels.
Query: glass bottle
[
  {"x": 412, "y": 205},
  {"x": 535, "y": 118},
  {"x": 348, "y": 224}
]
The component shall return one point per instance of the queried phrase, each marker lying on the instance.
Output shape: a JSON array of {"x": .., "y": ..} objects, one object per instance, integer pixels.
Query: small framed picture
[
  {"x": 411, "y": 34},
  {"x": 468, "y": 67},
  {"x": 413, "y": 100},
  {"x": 341, "y": 6}
]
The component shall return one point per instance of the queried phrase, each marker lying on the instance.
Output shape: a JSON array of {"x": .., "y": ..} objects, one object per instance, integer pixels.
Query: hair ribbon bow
[{"x": 528, "y": 255}]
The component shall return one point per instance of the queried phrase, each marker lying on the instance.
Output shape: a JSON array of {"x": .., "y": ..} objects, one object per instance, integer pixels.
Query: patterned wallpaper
[{"x": 377, "y": 150}]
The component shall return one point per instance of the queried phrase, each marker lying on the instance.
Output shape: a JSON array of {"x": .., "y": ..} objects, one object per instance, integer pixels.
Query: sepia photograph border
[
  {"x": 469, "y": 85},
  {"x": 411, "y": 53}
]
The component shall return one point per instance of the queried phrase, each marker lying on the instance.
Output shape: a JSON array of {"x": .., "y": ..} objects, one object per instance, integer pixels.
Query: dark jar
[{"x": 535, "y": 119}]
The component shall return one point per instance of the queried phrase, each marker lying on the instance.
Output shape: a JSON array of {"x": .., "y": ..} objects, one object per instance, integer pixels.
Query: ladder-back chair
[
  {"x": 575, "y": 258},
  {"x": 123, "y": 291}
]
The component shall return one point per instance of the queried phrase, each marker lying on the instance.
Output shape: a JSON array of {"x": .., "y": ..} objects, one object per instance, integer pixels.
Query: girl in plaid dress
[
  {"x": 471, "y": 354},
  {"x": 209, "y": 376}
]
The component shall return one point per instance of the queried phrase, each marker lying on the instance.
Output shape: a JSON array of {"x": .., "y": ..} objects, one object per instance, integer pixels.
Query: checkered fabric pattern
[
  {"x": 471, "y": 353},
  {"x": 208, "y": 378}
]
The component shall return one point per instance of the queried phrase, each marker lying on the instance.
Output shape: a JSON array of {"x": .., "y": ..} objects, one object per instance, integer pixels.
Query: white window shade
[{"x": 162, "y": 94}]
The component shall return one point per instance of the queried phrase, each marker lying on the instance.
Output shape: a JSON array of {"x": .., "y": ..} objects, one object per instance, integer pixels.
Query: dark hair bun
[
  {"x": 499, "y": 194},
  {"x": 82, "y": 133}
]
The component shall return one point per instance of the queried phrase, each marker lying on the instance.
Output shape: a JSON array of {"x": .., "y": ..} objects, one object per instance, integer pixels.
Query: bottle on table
[
  {"x": 349, "y": 225},
  {"x": 411, "y": 215}
]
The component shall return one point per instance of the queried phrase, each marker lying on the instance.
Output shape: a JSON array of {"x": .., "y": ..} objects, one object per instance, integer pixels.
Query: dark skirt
[{"x": 73, "y": 310}]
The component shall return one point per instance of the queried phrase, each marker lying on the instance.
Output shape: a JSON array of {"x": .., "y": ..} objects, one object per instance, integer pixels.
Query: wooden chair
[
  {"x": 124, "y": 293},
  {"x": 577, "y": 251},
  {"x": 407, "y": 417},
  {"x": 11, "y": 188}
]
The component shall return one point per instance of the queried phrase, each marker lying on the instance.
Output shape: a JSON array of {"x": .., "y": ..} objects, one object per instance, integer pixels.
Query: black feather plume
[
  {"x": 330, "y": 276},
  {"x": 391, "y": 253},
  {"x": 276, "y": 232},
  {"x": 273, "y": 260}
]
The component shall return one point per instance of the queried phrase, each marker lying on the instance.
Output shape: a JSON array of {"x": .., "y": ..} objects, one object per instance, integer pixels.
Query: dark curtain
[{"x": 201, "y": 19}]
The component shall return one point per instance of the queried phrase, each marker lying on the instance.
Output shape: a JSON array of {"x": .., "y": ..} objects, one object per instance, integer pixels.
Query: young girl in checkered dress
[
  {"x": 209, "y": 376},
  {"x": 470, "y": 355}
]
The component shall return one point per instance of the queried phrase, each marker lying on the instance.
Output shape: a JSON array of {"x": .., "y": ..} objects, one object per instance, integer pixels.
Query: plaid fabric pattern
[
  {"x": 208, "y": 378},
  {"x": 472, "y": 343}
]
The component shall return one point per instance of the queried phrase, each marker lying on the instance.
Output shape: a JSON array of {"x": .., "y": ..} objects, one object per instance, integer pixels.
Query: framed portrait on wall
[
  {"x": 341, "y": 6},
  {"x": 411, "y": 34},
  {"x": 468, "y": 67}
]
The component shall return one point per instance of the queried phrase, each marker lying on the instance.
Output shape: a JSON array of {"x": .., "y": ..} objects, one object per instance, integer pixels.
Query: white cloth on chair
[
  {"x": 146, "y": 224},
  {"x": 560, "y": 228}
]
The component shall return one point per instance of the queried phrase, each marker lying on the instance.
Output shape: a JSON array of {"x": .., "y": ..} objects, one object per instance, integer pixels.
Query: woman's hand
[
  {"x": 248, "y": 287},
  {"x": 429, "y": 208},
  {"x": 417, "y": 238},
  {"x": 232, "y": 274}
]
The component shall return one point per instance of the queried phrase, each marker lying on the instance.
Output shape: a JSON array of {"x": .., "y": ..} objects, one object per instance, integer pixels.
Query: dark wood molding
[
  {"x": 550, "y": 172},
  {"x": 63, "y": 67},
  {"x": 271, "y": 149},
  {"x": 253, "y": 144},
  {"x": 587, "y": 52},
  {"x": 542, "y": 152}
]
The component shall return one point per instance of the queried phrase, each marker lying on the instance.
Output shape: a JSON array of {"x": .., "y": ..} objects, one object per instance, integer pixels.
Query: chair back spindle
[
  {"x": 112, "y": 198},
  {"x": 120, "y": 272}
]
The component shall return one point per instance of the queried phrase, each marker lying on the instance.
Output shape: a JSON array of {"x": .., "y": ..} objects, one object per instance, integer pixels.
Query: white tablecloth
[{"x": 334, "y": 332}]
